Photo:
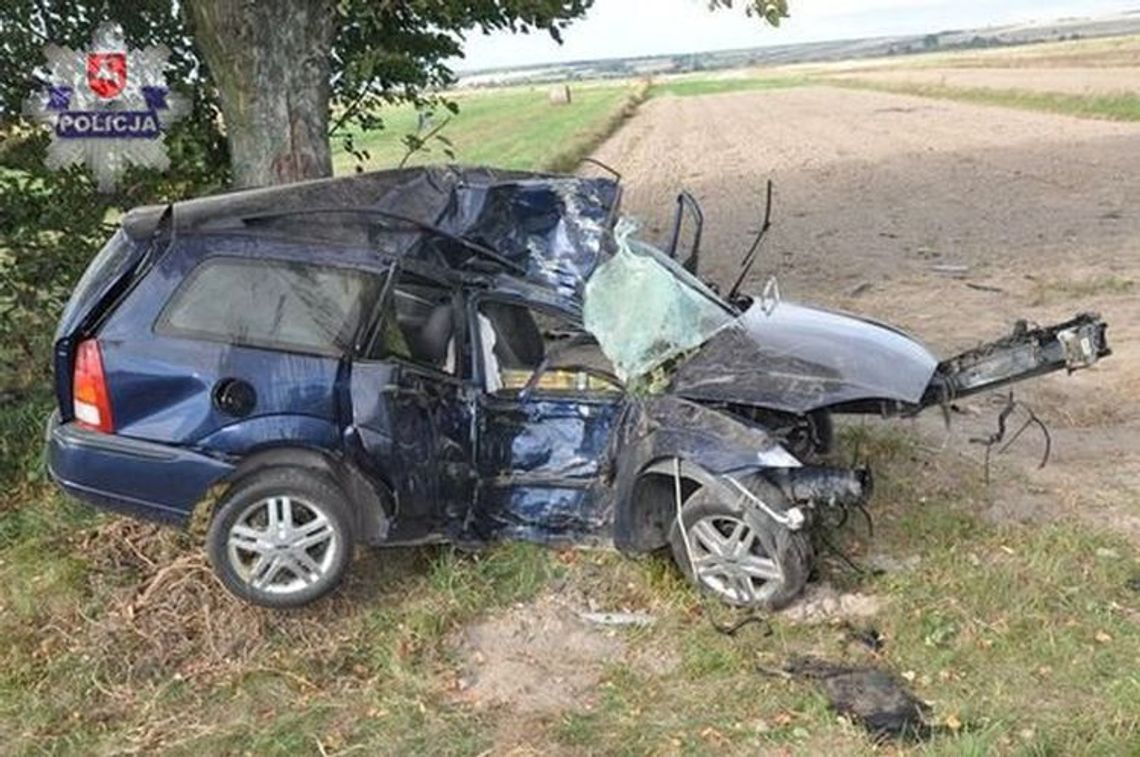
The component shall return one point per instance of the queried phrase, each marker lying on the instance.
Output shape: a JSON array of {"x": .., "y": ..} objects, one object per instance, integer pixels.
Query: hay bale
[{"x": 560, "y": 94}]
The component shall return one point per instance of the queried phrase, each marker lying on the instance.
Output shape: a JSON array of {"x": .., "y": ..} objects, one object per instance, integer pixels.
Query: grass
[
  {"x": 511, "y": 128},
  {"x": 688, "y": 87},
  {"x": 1118, "y": 107}
]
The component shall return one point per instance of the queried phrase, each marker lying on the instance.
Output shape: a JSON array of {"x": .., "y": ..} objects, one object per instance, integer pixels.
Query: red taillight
[{"x": 90, "y": 401}]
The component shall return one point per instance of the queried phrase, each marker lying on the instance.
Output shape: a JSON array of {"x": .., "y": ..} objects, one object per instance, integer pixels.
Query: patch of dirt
[
  {"x": 536, "y": 658},
  {"x": 874, "y": 190},
  {"x": 1076, "y": 81},
  {"x": 823, "y": 603}
]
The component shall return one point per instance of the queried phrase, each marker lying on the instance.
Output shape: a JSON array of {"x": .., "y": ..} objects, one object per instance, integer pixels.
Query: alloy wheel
[
  {"x": 282, "y": 544},
  {"x": 729, "y": 559}
]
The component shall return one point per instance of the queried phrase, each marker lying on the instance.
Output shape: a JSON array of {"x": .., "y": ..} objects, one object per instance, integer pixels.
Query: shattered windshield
[{"x": 643, "y": 308}]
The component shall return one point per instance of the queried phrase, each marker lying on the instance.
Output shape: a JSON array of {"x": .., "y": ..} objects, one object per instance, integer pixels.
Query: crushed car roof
[{"x": 546, "y": 228}]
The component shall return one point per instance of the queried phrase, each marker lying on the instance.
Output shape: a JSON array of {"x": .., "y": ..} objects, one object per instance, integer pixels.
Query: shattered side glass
[{"x": 644, "y": 309}]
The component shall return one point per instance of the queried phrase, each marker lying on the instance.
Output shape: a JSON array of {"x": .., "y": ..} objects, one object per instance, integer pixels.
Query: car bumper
[{"x": 131, "y": 476}]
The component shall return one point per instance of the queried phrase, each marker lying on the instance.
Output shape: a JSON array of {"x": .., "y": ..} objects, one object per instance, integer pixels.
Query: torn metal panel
[
  {"x": 546, "y": 515},
  {"x": 543, "y": 465},
  {"x": 546, "y": 438},
  {"x": 552, "y": 227},
  {"x": 666, "y": 426},
  {"x": 414, "y": 434}
]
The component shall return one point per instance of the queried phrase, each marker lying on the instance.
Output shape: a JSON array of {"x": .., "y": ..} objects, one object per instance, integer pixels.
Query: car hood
[{"x": 797, "y": 359}]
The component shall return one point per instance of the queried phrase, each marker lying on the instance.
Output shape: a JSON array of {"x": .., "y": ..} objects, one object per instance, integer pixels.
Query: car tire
[
  {"x": 281, "y": 537},
  {"x": 758, "y": 563}
]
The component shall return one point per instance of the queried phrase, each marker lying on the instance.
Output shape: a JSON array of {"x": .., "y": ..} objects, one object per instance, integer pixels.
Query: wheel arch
[
  {"x": 373, "y": 501},
  {"x": 644, "y": 516}
]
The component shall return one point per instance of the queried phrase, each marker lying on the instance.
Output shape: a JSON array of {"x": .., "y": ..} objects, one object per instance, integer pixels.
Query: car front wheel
[
  {"x": 744, "y": 561},
  {"x": 281, "y": 538}
]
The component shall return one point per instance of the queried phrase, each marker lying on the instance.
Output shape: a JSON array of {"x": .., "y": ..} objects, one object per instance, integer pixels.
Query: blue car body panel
[
  {"x": 543, "y": 462},
  {"x": 144, "y": 479}
]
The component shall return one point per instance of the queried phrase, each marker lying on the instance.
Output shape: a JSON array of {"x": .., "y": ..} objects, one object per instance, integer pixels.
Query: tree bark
[{"x": 270, "y": 61}]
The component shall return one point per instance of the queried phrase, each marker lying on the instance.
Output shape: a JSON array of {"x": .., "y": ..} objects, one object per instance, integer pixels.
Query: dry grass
[{"x": 1047, "y": 290}]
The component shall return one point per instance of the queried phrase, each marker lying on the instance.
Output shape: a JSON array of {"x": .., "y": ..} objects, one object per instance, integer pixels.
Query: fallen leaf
[{"x": 1102, "y": 637}]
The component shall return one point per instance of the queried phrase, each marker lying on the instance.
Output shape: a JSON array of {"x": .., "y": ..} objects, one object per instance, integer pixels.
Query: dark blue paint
[
  {"x": 162, "y": 385},
  {"x": 553, "y": 227},
  {"x": 547, "y": 515},
  {"x": 545, "y": 437},
  {"x": 414, "y": 427},
  {"x": 250, "y": 435},
  {"x": 151, "y": 480},
  {"x": 811, "y": 358},
  {"x": 543, "y": 462}
]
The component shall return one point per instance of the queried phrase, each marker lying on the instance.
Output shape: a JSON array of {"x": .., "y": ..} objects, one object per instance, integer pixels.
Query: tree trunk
[{"x": 270, "y": 62}]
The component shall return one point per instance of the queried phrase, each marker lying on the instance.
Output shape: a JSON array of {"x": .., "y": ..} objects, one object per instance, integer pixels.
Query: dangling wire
[
  {"x": 998, "y": 436},
  {"x": 837, "y": 552}
]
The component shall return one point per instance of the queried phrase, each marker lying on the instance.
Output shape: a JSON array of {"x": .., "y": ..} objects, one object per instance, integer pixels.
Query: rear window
[{"x": 274, "y": 304}]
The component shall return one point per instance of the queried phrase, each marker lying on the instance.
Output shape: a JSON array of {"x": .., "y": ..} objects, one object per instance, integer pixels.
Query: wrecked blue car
[{"x": 469, "y": 355}]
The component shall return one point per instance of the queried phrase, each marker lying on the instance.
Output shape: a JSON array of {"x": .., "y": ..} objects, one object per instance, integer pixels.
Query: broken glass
[{"x": 644, "y": 309}]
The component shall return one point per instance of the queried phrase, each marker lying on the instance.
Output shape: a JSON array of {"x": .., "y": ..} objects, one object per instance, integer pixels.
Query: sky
[{"x": 629, "y": 28}]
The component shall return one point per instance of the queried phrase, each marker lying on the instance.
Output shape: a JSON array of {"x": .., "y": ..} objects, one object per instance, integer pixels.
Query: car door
[
  {"x": 412, "y": 406},
  {"x": 544, "y": 436}
]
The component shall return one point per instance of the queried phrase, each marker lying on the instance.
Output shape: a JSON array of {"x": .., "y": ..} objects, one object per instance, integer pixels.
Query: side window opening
[
  {"x": 517, "y": 340},
  {"x": 418, "y": 324},
  {"x": 272, "y": 304}
]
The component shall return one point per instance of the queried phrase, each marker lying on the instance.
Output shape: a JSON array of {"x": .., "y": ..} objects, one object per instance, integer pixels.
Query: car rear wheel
[
  {"x": 743, "y": 561},
  {"x": 281, "y": 537}
]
